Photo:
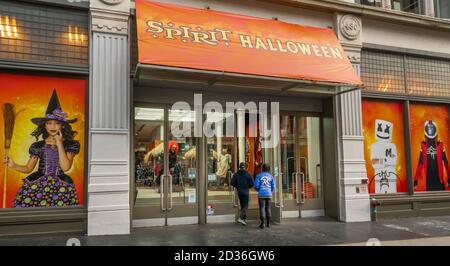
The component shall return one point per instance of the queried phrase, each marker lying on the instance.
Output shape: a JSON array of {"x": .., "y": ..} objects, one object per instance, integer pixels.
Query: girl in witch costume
[{"x": 49, "y": 186}]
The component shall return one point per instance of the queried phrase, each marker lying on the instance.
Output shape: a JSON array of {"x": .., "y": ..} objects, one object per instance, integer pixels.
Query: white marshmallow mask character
[
  {"x": 383, "y": 130},
  {"x": 384, "y": 158}
]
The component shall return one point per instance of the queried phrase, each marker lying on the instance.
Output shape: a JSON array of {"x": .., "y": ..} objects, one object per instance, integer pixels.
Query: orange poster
[
  {"x": 384, "y": 146},
  {"x": 42, "y": 124},
  {"x": 430, "y": 132},
  {"x": 172, "y": 35}
]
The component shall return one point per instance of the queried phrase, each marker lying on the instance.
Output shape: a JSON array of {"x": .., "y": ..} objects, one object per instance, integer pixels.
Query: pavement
[{"x": 430, "y": 231}]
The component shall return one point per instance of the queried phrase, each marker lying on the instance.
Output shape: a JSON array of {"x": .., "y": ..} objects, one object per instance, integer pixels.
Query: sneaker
[{"x": 241, "y": 221}]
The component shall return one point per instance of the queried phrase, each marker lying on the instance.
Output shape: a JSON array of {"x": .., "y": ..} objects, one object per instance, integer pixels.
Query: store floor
[{"x": 312, "y": 231}]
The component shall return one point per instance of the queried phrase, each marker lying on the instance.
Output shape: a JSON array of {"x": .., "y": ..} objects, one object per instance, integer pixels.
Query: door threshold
[
  {"x": 227, "y": 218},
  {"x": 304, "y": 213},
  {"x": 290, "y": 214},
  {"x": 161, "y": 221},
  {"x": 312, "y": 213}
]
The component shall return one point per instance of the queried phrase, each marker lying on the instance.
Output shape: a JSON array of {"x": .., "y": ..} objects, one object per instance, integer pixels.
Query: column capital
[
  {"x": 349, "y": 32},
  {"x": 119, "y": 6},
  {"x": 110, "y": 18}
]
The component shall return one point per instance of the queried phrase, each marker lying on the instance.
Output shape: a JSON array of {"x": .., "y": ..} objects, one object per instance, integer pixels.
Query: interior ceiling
[{"x": 143, "y": 130}]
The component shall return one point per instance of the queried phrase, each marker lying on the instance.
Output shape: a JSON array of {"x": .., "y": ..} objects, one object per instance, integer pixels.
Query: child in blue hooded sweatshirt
[{"x": 265, "y": 185}]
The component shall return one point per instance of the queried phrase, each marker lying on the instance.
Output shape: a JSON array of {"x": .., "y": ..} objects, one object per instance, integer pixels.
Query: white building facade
[{"x": 138, "y": 174}]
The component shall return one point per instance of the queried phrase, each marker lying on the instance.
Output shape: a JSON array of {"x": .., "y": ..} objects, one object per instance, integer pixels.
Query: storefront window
[
  {"x": 427, "y": 76},
  {"x": 300, "y": 155},
  {"x": 412, "y": 6},
  {"x": 182, "y": 158},
  {"x": 42, "y": 141},
  {"x": 149, "y": 157},
  {"x": 442, "y": 8},
  {"x": 221, "y": 150},
  {"x": 386, "y": 72},
  {"x": 43, "y": 33},
  {"x": 384, "y": 147},
  {"x": 371, "y": 2},
  {"x": 382, "y": 72},
  {"x": 430, "y": 133}
]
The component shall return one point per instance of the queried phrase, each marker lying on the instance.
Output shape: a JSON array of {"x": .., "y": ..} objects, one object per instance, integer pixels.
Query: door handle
[
  {"x": 277, "y": 200},
  {"x": 303, "y": 188},
  {"x": 161, "y": 191},
  {"x": 297, "y": 190},
  {"x": 318, "y": 179},
  {"x": 293, "y": 177},
  {"x": 169, "y": 200},
  {"x": 279, "y": 190}
]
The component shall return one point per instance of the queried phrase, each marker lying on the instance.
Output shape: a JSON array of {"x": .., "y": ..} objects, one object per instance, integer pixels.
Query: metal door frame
[
  {"x": 301, "y": 177},
  {"x": 152, "y": 214}
]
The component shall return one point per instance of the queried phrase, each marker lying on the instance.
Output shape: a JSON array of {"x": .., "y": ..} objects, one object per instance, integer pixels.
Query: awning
[{"x": 181, "y": 41}]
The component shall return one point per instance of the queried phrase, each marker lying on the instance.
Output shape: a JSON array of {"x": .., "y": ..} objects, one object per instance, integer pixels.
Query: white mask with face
[
  {"x": 430, "y": 129},
  {"x": 383, "y": 130}
]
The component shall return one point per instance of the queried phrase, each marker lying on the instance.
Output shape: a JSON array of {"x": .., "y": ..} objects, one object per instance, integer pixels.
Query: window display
[
  {"x": 43, "y": 120},
  {"x": 384, "y": 146},
  {"x": 429, "y": 135}
]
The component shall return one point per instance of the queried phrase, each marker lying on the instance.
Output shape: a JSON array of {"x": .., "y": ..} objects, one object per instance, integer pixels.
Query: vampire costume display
[
  {"x": 175, "y": 168},
  {"x": 49, "y": 186},
  {"x": 432, "y": 160}
]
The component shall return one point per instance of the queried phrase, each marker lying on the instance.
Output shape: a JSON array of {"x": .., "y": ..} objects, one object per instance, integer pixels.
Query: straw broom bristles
[{"x": 9, "y": 116}]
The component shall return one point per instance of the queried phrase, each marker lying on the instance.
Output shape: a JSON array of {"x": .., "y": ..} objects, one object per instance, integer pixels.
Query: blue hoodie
[{"x": 264, "y": 184}]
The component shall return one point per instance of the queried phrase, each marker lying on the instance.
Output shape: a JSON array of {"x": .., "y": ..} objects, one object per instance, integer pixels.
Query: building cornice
[{"x": 386, "y": 15}]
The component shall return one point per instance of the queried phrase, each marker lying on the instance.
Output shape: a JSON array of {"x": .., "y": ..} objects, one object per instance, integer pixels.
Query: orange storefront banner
[{"x": 171, "y": 35}]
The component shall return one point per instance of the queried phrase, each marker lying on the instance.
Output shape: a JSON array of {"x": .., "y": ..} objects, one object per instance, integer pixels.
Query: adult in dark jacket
[{"x": 242, "y": 181}]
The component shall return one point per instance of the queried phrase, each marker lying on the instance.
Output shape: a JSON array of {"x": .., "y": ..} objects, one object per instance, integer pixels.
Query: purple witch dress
[{"x": 49, "y": 186}]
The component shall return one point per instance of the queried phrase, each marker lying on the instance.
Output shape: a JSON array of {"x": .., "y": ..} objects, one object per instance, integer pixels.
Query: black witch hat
[{"x": 54, "y": 112}]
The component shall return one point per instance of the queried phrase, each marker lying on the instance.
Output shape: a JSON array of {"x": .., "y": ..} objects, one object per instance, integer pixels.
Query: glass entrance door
[
  {"x": 222, "y": 162},
  {"x": 300, "y": 149},
  {"x": 165, "y": 168}
]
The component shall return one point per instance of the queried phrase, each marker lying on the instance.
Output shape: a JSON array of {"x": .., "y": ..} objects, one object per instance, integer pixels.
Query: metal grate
[
  {"x": 382, "y": 72},
  {"x": 42, "y": 33},
  {"x": 385, "y": 72},
  {"x": 428, "y": 77}
]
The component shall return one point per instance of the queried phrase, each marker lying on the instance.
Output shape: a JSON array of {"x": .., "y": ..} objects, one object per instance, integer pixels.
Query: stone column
[
  {"x": 352, "y": 188},
  {"x": 109, "y": 155}
]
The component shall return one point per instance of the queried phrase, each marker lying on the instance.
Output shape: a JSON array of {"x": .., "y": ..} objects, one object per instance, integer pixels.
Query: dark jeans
[
  {"x": 243, "y": 200},
  {"x": 264, "y": 209}
]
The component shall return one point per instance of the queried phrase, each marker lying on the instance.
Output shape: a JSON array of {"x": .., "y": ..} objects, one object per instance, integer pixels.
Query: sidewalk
[{"x": 292, "y": 232}]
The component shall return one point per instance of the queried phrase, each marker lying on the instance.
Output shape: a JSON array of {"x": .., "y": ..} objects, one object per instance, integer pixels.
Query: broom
[{"x": 9, "y": 116}]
